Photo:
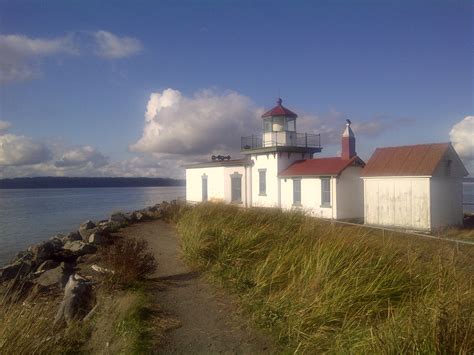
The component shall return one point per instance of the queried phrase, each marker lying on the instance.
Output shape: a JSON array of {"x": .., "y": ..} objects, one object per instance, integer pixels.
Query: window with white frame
[
  {"x": 296, "y": 192},
  {"x": 326, "y": 191},
  {"x": 262, "y": 182}
]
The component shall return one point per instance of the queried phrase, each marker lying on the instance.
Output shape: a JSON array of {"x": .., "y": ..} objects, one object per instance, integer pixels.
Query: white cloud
[
  {"x": 81, "y": 157},
  {"x": 202, "y": 124},
  {"x": 112, "y": 46},
  {"x": 20, "y": 150},
  {"x": 462, "y": 137},
  {"x": 4, "y": 125},
  {"x": 18, "y": 50}
]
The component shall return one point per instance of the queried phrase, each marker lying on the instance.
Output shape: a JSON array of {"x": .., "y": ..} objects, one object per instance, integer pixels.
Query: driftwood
[{"x": 77, "y": 300}]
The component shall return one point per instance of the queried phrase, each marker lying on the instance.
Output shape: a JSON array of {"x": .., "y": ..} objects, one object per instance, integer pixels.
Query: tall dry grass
[{"x": 322, "y": 287}]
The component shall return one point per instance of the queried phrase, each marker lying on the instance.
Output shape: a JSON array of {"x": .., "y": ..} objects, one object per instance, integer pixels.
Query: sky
[{"x": 139, "y": 88}]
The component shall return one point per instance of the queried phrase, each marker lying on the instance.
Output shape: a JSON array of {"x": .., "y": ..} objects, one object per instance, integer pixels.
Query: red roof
[
  {"x": 411, "y": 160},
  {"x": 279, "y": 110},
  {"x": 320, "y": 166}
]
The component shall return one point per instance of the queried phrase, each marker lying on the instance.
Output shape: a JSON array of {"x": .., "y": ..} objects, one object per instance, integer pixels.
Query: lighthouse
[{"x": 273, "y": 150}]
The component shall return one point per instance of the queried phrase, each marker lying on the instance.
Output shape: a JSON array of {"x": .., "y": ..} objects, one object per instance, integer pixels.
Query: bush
[
  {"x": 323, "y": 287},
  {"x": 127, "y": 261}
]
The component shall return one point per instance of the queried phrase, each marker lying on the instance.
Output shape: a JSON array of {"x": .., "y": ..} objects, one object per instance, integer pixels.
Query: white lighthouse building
[{"x": 279, "y": 171}]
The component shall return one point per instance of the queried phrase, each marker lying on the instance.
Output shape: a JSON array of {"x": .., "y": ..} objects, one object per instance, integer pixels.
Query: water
[{"x": 28, "y": 216}]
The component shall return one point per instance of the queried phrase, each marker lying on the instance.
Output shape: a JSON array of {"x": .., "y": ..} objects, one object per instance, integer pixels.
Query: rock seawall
[{"x": 55, "y": 265}]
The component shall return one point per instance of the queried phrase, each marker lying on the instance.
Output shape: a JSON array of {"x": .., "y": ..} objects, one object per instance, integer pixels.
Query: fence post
[{"x": 306, "y": 139}]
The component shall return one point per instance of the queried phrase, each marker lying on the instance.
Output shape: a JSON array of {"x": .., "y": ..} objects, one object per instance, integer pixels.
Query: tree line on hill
[{"x": 77, "y": 182}]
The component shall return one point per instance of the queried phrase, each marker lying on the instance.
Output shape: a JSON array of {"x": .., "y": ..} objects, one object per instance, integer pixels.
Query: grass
[
  {"x": 135, "y": 326},
  {"x": 322, "y": 287}
]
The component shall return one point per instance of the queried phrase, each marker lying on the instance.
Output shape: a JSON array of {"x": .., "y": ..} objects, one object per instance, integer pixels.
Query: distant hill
[{"x": 77, "y": 182}]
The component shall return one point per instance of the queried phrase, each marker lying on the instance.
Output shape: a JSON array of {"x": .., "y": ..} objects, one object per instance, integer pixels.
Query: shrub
[{"x": 127, "y": 261}]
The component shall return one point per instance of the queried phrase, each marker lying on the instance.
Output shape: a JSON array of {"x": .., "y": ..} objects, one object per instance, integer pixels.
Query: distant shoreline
[{"x": 51, "y": 182}]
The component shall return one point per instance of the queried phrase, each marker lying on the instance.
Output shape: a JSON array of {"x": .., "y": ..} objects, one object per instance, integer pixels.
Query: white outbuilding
[{"x": 414, "y": 187}]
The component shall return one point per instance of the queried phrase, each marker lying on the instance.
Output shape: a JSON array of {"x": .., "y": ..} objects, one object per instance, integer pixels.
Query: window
[
  {"x": 326, "y": 192},
  {"x": 204, "y": 187},
  {"x": 236, "y": 187},
  {"x": 267, "y": 125},
  {"x": 296, "y": 192},
  {"x": 262, "y": 182}
]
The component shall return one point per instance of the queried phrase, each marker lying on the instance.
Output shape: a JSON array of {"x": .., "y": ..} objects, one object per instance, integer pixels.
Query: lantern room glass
[{"x": 279, "y": 124}]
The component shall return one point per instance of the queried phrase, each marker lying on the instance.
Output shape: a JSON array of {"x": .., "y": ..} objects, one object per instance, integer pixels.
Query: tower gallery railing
[{"x": 279, "y": 139}]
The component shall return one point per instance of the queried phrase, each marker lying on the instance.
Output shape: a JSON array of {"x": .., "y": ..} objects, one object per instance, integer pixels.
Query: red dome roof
[{"x": 279, "y": 110}]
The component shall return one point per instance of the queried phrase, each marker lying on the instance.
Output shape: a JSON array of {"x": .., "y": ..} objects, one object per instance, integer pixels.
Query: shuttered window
[
  {"x": 297, "y": 192},
  {"x": 236, "y": 187},
  {"x": 262, "y": 182},
  {"x": 326, "y": 191}
]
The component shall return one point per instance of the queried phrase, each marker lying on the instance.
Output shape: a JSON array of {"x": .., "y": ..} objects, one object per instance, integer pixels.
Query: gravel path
[{"x": 210, "y": 323}]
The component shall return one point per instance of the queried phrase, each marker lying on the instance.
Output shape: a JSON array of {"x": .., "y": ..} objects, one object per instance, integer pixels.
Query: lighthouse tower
[{"x": 273, "y": 151}]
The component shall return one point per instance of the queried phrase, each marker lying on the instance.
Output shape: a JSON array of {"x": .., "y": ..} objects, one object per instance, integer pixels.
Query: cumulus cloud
[
  {"x": 112, "y": 46},
  {"x": 4, "y": 125},
  {"x": 21, "y": 150},
  {"x": 17, "y": 52},
  {"x": 462, "y": 137},
  {"x": 85, "y": 156},
  {"x": 207, "y": 122}
]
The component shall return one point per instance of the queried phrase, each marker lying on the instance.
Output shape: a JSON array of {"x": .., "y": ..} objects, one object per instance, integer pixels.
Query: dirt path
[{"x": 209, "y": 320}]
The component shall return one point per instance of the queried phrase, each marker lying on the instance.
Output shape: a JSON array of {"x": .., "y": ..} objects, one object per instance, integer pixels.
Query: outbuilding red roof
[
  {"x": 279, "y": 110},
  {"x": 320, "y": 166},
  {"x": 410, "y": 160}
]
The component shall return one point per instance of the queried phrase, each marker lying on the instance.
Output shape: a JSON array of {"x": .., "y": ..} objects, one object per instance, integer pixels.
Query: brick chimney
[{"x": 348, "y": 142}]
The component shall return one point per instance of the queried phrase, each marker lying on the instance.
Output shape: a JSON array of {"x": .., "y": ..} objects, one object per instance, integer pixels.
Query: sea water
[{"x": 28, "y": 216}]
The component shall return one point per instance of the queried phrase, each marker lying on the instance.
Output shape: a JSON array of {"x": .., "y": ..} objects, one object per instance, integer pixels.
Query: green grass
[
  {"x": 323, "y": 287},
  {"x": 136, "y": 324}
]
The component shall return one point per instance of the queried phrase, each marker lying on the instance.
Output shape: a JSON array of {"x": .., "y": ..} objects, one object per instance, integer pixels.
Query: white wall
[
  {"x": 215, "y": 184},
  {"x": 218, "y": 183},
  {"x": 274, "y": 164},
  {"x": 350, "y": 194},
  {"x": 397, "y": 201},
  {"x": 446, "y": 202},
  {"x": 310, "y": 197}
]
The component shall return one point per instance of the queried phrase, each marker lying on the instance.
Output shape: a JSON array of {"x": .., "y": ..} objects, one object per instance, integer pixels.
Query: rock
[
  {"x": 86, "y": 229},
  {"x": 79, "y": 248},
  {"x": 56, "y": 277},
  {"x": 87, "y": 225},
  {"x": 22, "y": 255},
  {"x": 118, "y": 217},
  {"x": 138, "y": 216},
  {"x": 97, "y": 238},
  {"x": 86, "y": 233},
  {"x": 44, "y": 251},
  {"x": 47, "y": 265},
  {"x": 77, "y": 300},
  {"x": 72, "y": 236},
  {"x": 16, "y": 270}
]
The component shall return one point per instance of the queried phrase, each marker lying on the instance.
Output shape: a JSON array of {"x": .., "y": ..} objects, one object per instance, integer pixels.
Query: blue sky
[{"x": 401, "y": 70}]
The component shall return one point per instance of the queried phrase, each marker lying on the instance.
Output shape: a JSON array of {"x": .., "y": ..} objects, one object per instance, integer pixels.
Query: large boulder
[
  {"x": 86, "y": 229},
  {"x": 78, "y": 248},
  {"x": 119, "y": 217},
  {"x": 45, "y": 250},
  {"x": 77, "y": 301},
  {"x": 56, "y": 277},
  {"x": 47, "y": 265},
  {"x": 72, "y": 237},
  {"x": 17, "y": 270}
]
